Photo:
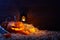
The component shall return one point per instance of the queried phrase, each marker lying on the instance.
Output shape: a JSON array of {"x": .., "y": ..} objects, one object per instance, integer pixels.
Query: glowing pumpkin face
[{"x": 22, "y": 27}]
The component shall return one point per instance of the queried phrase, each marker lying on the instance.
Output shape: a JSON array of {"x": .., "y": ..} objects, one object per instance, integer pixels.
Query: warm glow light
[
  {"x": 26, "y": 32},
  {"x": 23, "y": 28},
  {"x": 11, "y": 24},
  {"x": 32, "y": 30},
  {"x": 16, "y": 29},
  {"x": 13, "y": 28},
  {"x": 23, "y": 18}
]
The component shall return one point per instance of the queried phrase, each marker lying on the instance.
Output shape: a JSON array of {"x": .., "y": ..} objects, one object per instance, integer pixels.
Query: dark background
[{"x": 42, "y": 13}]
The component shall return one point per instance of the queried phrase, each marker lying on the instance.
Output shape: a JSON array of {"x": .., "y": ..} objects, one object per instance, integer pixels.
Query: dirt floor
[{"x": 42, "y": 35}]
